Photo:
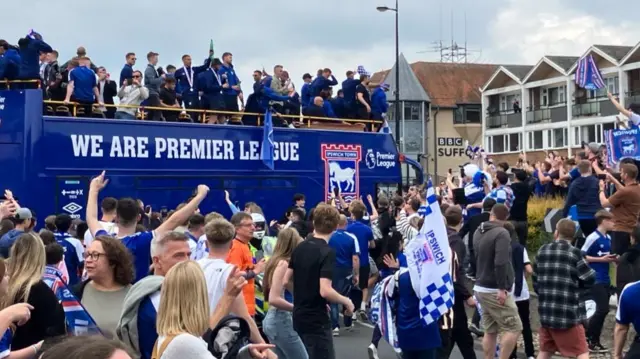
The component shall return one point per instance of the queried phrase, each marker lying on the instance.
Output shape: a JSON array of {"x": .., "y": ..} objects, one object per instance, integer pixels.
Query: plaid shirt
[
  {"x": 560, "y": 277},
  {"x": 502, "y": 195}
]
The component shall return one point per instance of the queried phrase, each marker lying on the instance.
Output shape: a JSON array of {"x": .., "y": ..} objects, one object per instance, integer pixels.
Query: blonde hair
[
  {"x": 288, "y": 240},
  {"x": 25, "y": 265},
  {"x": 184, "y": 303}
]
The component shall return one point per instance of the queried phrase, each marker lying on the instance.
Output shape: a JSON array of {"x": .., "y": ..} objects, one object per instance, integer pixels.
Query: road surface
[{"x": 353, "y": 345}]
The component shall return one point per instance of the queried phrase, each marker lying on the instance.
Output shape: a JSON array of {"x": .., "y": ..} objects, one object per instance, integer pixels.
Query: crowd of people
[{"x": 181, "y": 94}]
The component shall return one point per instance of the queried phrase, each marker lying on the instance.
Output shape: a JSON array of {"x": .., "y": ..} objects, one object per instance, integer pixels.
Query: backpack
[
  {"x": 159, "y": 350},
  {"x": 230, "y": 335}
]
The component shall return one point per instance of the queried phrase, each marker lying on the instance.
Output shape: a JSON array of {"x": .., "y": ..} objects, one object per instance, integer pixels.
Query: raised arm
[
  {"x": 183, "y": 214},
  {"x": 97, "y": 184}
]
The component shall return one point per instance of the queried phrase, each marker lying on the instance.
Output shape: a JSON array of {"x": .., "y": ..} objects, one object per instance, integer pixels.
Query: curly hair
[{"x": 119, "y": 257}]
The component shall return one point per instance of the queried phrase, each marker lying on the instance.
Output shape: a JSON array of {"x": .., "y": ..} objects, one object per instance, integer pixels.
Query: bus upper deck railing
[{"x": 77, "y": 110}]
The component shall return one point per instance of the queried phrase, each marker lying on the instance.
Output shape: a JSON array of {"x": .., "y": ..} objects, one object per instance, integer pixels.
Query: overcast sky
[{"x": 304, "y": 35}]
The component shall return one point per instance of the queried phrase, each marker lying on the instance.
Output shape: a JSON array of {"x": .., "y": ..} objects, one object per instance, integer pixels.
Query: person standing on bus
[
  {"x": 363, "y": 98},
  {"x": 187, "y": 77},
  {"x": 210, "y": 85},
  {"x": 128, "y": 213},
  {"x": 31, "y": 46},
  {"x": 231, "y": 91},
  {"x": 83, "y": 87}
]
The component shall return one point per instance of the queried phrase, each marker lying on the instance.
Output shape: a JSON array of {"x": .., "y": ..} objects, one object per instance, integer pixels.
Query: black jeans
[
  {"x": 620, "y": 242},
  {"x": 319, "y": 345},
  {"x": 458, "y": 335},
  {"x": 587, "y": 226},
  {"x": 527, "y": 335},
  {"x": 634, "y": 350},
  {"x": 154, "y": 101},
  {"x": 600, "y": 295},
  {"x": 522, "y": 230}
]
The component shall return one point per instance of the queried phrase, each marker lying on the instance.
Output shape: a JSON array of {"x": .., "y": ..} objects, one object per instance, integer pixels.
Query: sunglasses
[{"x": 136, "y": 76}]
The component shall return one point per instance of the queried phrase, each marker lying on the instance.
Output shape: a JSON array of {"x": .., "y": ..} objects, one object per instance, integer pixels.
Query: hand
[
  {"x": 100, "y": 103},
  {"x": 235, "y": 282},
  {"x": 67, "y": 101},
  {"x": 225, "y": 86},
  {"x": 261, "y": 351},
  {"x": 164, "y": 76},
  {"x": 9, "y": 195},
  {"x": 355, "y": 280},
  {"x": 273, "y": 223},
  {"x": 368, "y": 109},
  {"x": 236, "y": 87},
  {"x": 7, "y": 209},
  {"x": 471, "y": 302},
  {"x": 390, "y": 261},
  {"x": 501, "y": 296},
  {"x": 227, "y": 197},
  {"x": 349, "y": 308},
  {"x": 259, "y": 268},
  {"x": 98, "y": 183},
  {"x": 203, "y": 190},
  {"x": 610, "y": 95},
  {"x": 370, "y": 198},
  {"x": 602, "y": 185},
  {"x": 136, "y": 81},
  {"x": 18, "y": 313}
]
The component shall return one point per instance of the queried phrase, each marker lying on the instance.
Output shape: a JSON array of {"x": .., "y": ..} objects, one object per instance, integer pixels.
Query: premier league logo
[
  {"x": 370, "y": 159},
  {"x": 342, "y": 170}
]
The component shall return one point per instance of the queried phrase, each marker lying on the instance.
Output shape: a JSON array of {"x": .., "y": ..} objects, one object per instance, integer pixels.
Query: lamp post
[{"x": 398, "y": 111}]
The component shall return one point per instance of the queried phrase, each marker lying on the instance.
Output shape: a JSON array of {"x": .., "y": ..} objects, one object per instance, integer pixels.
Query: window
[
  {"x": 535, "y": 140},
  {"x": 472, "y": 115},
  {"x": 591, "y": 133},
  {"x": 611, "y": 84},
  {"x": 412, "y": 111},
  {"x": 588, "y": 133},
  {"x": 552, "y": 96},
  {"x": 498, "y": 144},
  {"x": 514, "y": 142},
  {"x": 558, "y": 138},
  {"x": 506, "y": 102},
  {"x": 488, "y": 145}
]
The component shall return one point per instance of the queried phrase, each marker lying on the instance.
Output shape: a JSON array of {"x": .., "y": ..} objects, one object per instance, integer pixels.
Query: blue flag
[
  {"x": 622, "y": 144},
  {"x": 268, "y": 148}
]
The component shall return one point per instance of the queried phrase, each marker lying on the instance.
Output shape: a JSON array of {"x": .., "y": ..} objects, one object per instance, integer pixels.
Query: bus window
[
  {"x": 410, "y": 174},
  {"x": 387, "y": 190}
]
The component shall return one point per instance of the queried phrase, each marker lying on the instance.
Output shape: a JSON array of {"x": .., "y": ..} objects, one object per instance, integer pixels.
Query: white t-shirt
[
  {"x": 109, "y": 227},
  {"x": 216, "y": 272},
  {"x": 78, "y": 246},
  {"x": 185, "y": 346},
  {"x": 524, "y": 294}
]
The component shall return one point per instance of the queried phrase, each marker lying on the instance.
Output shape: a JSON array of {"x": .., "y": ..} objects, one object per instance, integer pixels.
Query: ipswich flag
[
  {"x": 429, "y": 262},
  {"x": 78, "y": 320},
  {"x": 587, "y": 74}
]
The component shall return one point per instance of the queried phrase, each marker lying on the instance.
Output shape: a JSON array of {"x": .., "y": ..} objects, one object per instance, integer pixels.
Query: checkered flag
[{"x": 429, "y": 262}]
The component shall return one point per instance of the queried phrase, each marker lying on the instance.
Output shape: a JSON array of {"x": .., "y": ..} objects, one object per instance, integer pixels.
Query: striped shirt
[{"x": 502, "y": 195}]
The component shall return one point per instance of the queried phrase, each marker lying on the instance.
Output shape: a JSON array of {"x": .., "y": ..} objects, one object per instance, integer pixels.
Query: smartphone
[
  {"x": 602, "y": 177},
  {"x": 129, "y": 82},
  {"x": 450, "y": 171},
  {"x": 164, "y": 211},
  {"x": 336, "y": 191},
  {"x": 147, "y": 209}
]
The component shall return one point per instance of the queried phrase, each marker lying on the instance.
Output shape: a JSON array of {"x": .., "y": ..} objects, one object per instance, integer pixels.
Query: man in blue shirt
[
  {"x": 305, "y": 91},
  {"x": 127, "y": 70},
  {"x": 83, "y": 86},
  {"x": 231, "y": 84},
  {"x": 597, "y": 250},
  {"x": 22, "y": 220},
  {"x": 364, "y": 234},
  {"x": 416, "y": 339},
  {"x": 187, "y": 81},
  {"x": 346, "y": 271},
  {"x": 349, "y": 87},
  {"x": 128, "y": 214},
  {"x": 628, "y": 313},
  {"x": 73, "y": 248}
]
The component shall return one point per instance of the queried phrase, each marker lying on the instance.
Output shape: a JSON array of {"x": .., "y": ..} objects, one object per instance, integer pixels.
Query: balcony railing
[
  {"x": 599, "y": 107},
  {"x": 504, "y": 120},
  {"x": 632, "y": 97},
  {"x": 549, "y": 114}
]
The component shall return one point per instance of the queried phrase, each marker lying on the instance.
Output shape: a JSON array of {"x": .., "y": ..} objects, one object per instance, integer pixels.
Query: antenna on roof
[{"x": 453, "y": 53}]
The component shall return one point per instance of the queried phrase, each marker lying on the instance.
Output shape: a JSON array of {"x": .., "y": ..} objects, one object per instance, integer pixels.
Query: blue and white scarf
[{"x": 382, "y": 311}]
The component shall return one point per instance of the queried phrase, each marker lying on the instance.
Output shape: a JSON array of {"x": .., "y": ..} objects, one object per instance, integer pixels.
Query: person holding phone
[{"x": 131, "y": 95}]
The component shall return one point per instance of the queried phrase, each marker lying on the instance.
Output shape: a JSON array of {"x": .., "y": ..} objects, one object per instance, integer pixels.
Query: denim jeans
[
  {"x": 124, "y": 116},
  {"x": 278, "y": 326},
  {"x": 342, "y": 284}
]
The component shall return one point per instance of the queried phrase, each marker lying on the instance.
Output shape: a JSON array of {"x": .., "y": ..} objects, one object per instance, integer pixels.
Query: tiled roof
[
  {"x": 519, "y": 71},
  {"x": 410, "y": 87},
  {"x": 617, "y": 52},
  {"x": 565, "y": 62},
  {"x": 449, "y": 84}
]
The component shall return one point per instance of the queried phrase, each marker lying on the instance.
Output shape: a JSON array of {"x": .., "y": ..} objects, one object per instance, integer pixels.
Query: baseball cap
[{"x": 23, "y": 213}]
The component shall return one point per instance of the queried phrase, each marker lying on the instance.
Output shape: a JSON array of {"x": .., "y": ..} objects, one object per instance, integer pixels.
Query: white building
[{"x": 555, "y": 114}]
